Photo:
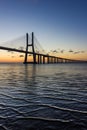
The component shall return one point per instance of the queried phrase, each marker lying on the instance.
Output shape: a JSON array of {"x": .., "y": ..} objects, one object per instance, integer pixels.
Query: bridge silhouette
[{"x": 38, "y": 58}]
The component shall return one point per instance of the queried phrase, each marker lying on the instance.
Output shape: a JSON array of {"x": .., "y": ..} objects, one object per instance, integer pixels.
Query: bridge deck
[{"x": 44, "y": 55}]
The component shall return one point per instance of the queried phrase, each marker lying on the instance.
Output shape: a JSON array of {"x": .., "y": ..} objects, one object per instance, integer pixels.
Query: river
[{"x": 43, "y": 97}]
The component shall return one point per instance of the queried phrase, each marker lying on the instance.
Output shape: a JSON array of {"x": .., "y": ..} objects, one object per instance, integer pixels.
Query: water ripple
[{"x": 43, "y": 97}]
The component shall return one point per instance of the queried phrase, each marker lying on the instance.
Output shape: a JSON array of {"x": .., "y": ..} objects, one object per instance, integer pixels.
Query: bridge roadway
[{"x": 43, "y": 58}]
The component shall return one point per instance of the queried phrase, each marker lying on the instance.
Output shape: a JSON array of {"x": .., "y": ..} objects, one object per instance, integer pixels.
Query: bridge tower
[{"x": 27, "y": 47}]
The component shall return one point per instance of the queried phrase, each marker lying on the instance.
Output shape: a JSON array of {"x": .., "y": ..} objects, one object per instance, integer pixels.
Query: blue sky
[{"x": 57, "y": 23}]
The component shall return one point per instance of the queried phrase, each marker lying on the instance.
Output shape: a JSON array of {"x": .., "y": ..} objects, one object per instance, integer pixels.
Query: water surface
[{"x": 43, "y": 97}]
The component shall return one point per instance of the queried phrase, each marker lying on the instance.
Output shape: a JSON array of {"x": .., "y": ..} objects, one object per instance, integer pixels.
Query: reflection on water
[{"x": 51, "y": 97}]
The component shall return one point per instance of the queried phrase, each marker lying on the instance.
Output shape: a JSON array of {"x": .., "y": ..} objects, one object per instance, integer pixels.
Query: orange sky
[
  {"x": 19, "y": 57},
  {"x": 81, "y": 56},
  {"x": 12, "y": 56}
]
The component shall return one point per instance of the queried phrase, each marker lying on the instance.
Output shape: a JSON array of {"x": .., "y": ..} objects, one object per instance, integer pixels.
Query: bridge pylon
[{"x": 27, "y": 47}]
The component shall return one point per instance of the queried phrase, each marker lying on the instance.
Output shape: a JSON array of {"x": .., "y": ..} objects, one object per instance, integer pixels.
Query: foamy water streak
[{"x": 43, "y": 96}]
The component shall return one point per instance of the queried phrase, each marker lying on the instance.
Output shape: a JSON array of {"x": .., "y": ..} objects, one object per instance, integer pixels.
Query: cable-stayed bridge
[{"x": 29, "y": 45}]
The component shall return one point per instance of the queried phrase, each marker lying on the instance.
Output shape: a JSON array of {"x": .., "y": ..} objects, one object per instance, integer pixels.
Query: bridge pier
[
  {"x": 48, "y": 60},
  {"x": 54, "y": 60},
  {"x": 33, "y": 51},
  {"x": 43, "y": 59},
  {"x": 66, "y": 61},
  {"x": 25, "y": 60},
  {"x": 57, "y": 60},
  {"x": 40, "y": 59},
  {"x": 51, "y": 59}
]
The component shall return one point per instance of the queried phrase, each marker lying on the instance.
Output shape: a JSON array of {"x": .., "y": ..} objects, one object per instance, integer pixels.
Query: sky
[{"x": 59, "y": 25}]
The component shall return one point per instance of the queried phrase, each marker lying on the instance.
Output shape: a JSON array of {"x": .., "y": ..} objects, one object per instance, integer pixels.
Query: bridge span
[{"x": 37, "y": 57}]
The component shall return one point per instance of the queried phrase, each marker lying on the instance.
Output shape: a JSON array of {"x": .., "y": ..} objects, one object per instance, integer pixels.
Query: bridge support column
[
  {"x": 43, "y": 59},
  {"x": 51, "y": 59},
  {"x": 40, "y": 59},
  {"x": 25, "y": 60},
  {"x": 66, "y": 61},
  {"x": 61, "y": 60},
  {"x": 54, "y": 59},
  {"x": 57, "y": 60},
  {"x": 34, "y": 55},
  {"x": 33, "y": 51},
  {"x": 48, "y": 59}
]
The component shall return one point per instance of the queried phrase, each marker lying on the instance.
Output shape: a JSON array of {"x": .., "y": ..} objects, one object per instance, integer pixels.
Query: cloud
[
  {"x": 21, "y": 48},
  {"x": 37, "y": 51},
  {"x": 21, "y": 56},
  {"x": 55, "y": 51},
  {"x": 13, "y": 56},
  {"x": 78, "y": 52},
  {"x": 82, "y": 51},
  {"x": 62, "y": 51},
  {"x": 75, "y": 52},
  {"x": 10, "y": 51},
  {"x": 71, "y": 51}
]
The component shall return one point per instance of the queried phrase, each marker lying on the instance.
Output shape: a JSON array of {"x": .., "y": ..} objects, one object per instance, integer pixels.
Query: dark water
[{"x": 43, "y": 97}]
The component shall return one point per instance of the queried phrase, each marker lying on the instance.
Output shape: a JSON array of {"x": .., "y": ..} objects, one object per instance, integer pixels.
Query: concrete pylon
[{"x": 27, "y": 47}]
